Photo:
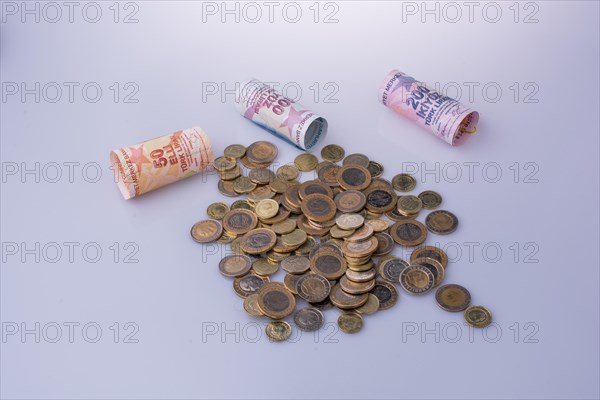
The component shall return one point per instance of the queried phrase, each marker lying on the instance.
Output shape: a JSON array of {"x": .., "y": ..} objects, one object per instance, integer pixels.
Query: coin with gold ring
[
  {"x": 350, "y": 322},
  {"x": 404, "y": 182},
  {"x": 333, "y": 153},
  {"x": 453, "y": 297},
  {"x": 234, "y": 151},
  {"x": 278, "y": 331},
  {"x": 478, "y": 316},
  {"x": 206, "y": 231}
]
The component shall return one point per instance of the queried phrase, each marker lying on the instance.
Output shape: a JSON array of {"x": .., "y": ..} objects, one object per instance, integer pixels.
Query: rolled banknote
[
  {"x": 445, "y": 117},
  {"x": 282, "y": 116},
  {"x": 157, "y": 162}
]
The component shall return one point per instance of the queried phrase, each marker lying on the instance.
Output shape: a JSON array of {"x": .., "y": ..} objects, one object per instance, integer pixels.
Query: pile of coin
[{"x": 332, "y": 235}]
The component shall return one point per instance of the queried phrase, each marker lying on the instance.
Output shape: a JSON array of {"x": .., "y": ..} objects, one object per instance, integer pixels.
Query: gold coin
[
  {"x": 338, "y": 233},
  {"x": 226, "y": 188},
  {"x": 350, "y": 322},
  {"x": 361, "y": 276},
  {"x": 430, "y": 199},
  {"x": 288, "y": 172},
  {"x": 409, "y": 204},
  {"x": 223, "y": 164},
  {"x": 279, "y": 185},
  {"x": 352, "y": 287},
  {"x": 226, "y": 238},
  {"x": 206, "y": 231},
  {"x": 391, "y": 268},
  {"x": 295, "y": 238},
  {"x": 386, "y": 293},
  {"x": 313, "y": 288},
  {"x": 243, "y": 184},
  {"x": 306, "y": 162},
  {"x": 275, "y": 301},
  {"x": 261, "y": 193},
  {"x": 309, "y": 319},
  {"x": 453, "y": 298},
  {"x": 375, "y": 169},
  {"x": 242, "y": 204},
  {"x": 235, "y": 246},
  {"x": 327, "y": 173},
  {"x": 261, "y": 176},
  {"x": 281, "y": 247},
  {"x": 324, "y": 224},
  {"x": 217, "y": 210},
  {"x": 404, "y": 182},
  {"x": 282, "y": 214},
  {"x": 318, "y": 207},
  {"x": 441, "y": 222},
  {"x": 263, "y": 267},
  {"x": 360, "y": 249},
  {"x": 478, "y": 316},
  {"x": 395, "y": 215},
  {"x": 314, "y": 186},
  {"x": 370, "y": 307},
  {"x": 295, "y": 265},
  {"x": 378, "y": 224},
  {"x": 249, "y": 284},
  {"x": 356, "y": 159},
  {"x": 408, "y": 233},
  {"x": 261, "y": 152},
  {"x": 239, "y": 221},
  {"x": 361, "y": 234},
  {"x": 434, "y": 266},
  {"x": 290, "y": 281},
  {"x": 283, "y": 227},
  {"x": 325, "y": 247},
  {"x": 258, "y": 241},
  {"x": 278, "y": 331},
  {"x": 266, "y": 209},
  {"x": 234, "y": 151},
  {"x": 349, "y": 221},
  {"x": 251, "y": 164},
  {"x": 291, "y": 199},
  {"x": 353, "y": 177},
  {"x": 380, "y": 199},
  {"x": 416, "y": 279},
  {"x": 329, "y": 264},
  {"x": 332, "y": 153},
  {"x": 361, "y": 267},
  {"x": 275, "y": 257},
  {"x": 431, "y": 252},
  {"x": 346, "y": 301},
  {"x": 385, "y": 244},
  {"x": 251, "y": 305},
  {"x": 350, "y": 201},
  {"x": 303, "y": 224},
  {"x": 235, "y": 265},
  {"x": 306, "y": 248},
  {"x": 230, "y": 174}
]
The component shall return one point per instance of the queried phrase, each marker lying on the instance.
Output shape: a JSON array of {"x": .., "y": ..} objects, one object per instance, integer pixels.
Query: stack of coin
[{"x": 332, "y": 236}]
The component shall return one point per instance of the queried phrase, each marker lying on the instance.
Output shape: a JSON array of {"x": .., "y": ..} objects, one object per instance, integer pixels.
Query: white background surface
[{"x": 175, "y": 288}]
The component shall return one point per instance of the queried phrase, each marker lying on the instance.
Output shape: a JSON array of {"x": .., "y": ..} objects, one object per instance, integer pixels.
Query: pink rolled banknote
[
  {"x": 445, "y": 117},
  {"x": 281, "y": 116},
  {"x": 155, "y": 163}
]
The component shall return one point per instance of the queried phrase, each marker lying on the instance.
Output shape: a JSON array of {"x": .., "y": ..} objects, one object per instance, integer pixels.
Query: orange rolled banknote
[{"x": 158, "y": 162}]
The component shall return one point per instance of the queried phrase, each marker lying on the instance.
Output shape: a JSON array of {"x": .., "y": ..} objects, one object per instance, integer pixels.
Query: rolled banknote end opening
[
  {"x": 468, "y": 126},
  {"x": 317, "y": 130},
  {"x": 281, "y": 116},
  {"x": 121, "y": 176}
]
